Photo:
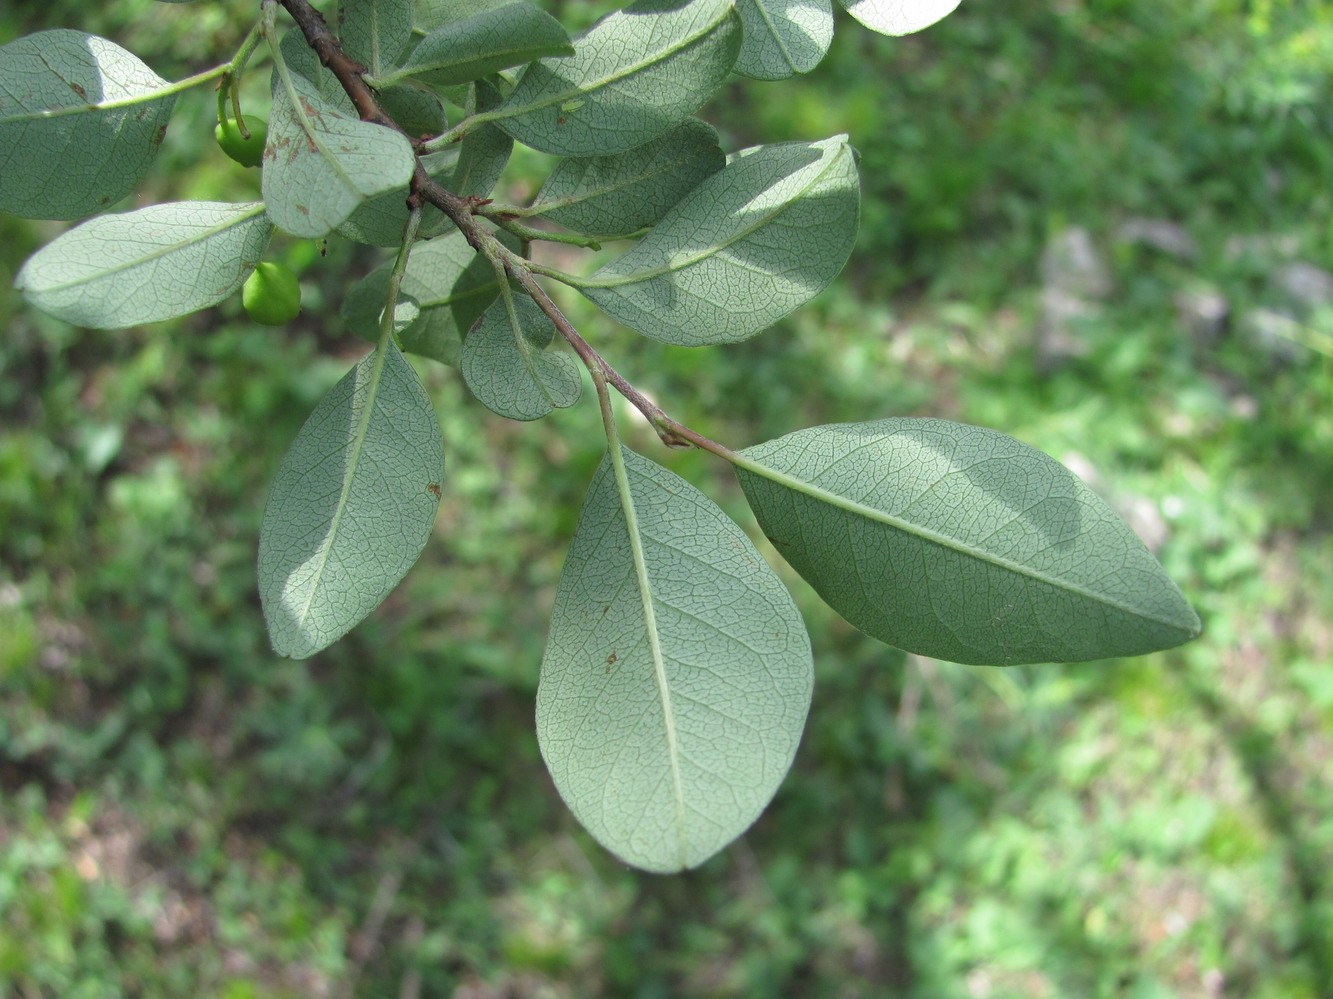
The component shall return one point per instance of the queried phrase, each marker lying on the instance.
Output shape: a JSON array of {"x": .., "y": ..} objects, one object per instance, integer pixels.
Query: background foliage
[{"x": 1100, "y": 225}]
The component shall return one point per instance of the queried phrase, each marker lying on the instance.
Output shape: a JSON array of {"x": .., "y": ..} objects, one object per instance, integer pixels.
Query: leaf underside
[
  {"x": 747, "y": 246},
  {"x": 351, "y": 506},
  {"x": 961, "y": 543},
  {"x": 677, "y": 675},
  {"x": 156, "y": 263},
  {"x": 78, "y": 127}
]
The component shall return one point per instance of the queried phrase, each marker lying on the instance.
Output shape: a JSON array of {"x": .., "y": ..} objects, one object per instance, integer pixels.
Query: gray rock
[
  {"x": 1070, "y": 263},
  {"x": 1305, "y": 284},
  {"x": 1160, "y": 234}
]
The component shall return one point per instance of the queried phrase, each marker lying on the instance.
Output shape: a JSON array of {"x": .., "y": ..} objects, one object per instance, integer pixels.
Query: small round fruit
[
  {"x": 271, "y": 295},
  {"x": 247, "y": 152}
]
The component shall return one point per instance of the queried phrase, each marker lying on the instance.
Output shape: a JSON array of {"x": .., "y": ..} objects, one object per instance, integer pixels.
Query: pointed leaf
[
  {"x": 140, "y": 267},
  {"x": 451, "y": 284},
  {"x": 508, "y": 369},
  {"x": 489, "y": 40},
  {"x": 351, "y": 507},
  {"x": 616, "y": 195},
  {"x": 899, "y": 17},
  {"x": 783, "y": 37},
  {"x": 746, "y": 247},
  {"x": 319, "y": 164},
  {"x": 677, "y": 675},
  {"x": 961, "y": 543},
  {"x": 79, "y": 124},
  {"x": 634, "y": 76},
  {"x": 375, "y": 32}
]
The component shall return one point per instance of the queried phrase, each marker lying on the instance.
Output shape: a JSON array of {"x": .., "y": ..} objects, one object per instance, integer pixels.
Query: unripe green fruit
[
  {"x": 247, "y": 152},
  {"x": 271, "y": 295}
]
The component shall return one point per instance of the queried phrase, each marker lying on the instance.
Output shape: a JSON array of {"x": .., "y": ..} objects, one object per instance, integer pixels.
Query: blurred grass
[{"x": 182, "y": 813}]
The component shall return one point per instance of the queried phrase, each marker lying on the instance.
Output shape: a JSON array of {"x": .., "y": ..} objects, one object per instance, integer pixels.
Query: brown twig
[{"x": 348, "y": 71}]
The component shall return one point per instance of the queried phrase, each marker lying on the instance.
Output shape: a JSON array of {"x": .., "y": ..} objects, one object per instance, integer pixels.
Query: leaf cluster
[{"x": 678, "y": 674}]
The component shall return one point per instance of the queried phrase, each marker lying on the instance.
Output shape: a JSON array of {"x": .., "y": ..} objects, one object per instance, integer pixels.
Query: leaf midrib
[
  {"x": 314, "y": 584},
  {"x": 654, "y": 640},
  {"x": 841, "y": 502}
]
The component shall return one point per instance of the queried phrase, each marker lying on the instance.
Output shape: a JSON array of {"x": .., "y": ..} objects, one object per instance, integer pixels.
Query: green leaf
[
  {"x": 352, "y": 505},
  {"x": 490, "y": 40},
  {"x": 677, "y": 675},
  {"x": 961, "y": 543},
  {"x": 452, "y": 286},
  {"x": 746, "y": 247},
  {"x": 609, "y": 196},
  {"x": 375, "y": 32},
  {"x": 508, "y": 368},
  {"x": 635, "y": 75},
  {"x": 140, "y": 267},
  {"x": 783, "y": 37},
  {"x": 319, "y": 164},
  {"x": 79, "y": 124},
  {"x": 899, "y": 17}
]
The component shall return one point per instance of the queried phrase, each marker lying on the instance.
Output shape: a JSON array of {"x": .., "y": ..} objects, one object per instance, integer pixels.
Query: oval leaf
[
  {"x": 319, "y": 165},
  {"x": 635, "y": 75},
  {"x": 677, "y": 675},
  {"x": 140, "y": 267},
  {"x": 899, "y": 17},
  {"x": 961, "y": 543},
  {"x": 352, "y": 505},
  {"x": 508, "y": 369},
  {"x": 608, "y": 196},
  {"x": 79, "y": 124},
  {"x": 746, "y": 247},
  {"x": 451, "y": 284},
  {"x": 489, "y": 40},
  {"x": 783, "y": 37}
]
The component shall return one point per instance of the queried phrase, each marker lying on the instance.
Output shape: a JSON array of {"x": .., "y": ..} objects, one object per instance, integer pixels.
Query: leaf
[
  {"x": 746, "y": 247},
  {"x": 899, "y": 17},
  {"x": 319, "y": 164},
  {"x": 141, "y": 267},
  {"x": 375, "y": 32},
  {"x": 615, "y": 195},
  {"x": 677, "y": 674},
  {"x": 352, "y": 505},
  {"x": 452, "y": 286},
  {"x": 961, "y": 543},
  {"x": 508, "y": 369},
  {"x": 490, "y": 40},
  {"x": 635, "y": 75},
  {"x": 79, "y": 124},
  {"x": 783, "y": 37}
]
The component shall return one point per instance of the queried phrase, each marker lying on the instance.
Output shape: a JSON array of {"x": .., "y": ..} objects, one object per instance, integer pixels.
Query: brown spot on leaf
[
  {"x": 434, "y": 490},
  {"x": 79, "y": 90}
]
